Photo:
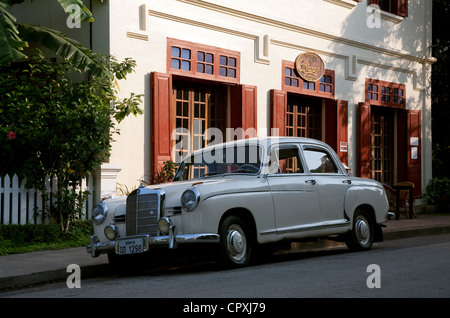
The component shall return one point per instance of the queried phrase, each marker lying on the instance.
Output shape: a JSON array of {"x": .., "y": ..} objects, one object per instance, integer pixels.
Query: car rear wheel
[
  {"x": 361, "y": 237},
  {"x": 235, "y": 243}
]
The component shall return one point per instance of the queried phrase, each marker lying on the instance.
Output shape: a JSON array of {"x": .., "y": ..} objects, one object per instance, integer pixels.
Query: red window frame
[
  {"x": 381, "y": 93},
  {"x": 398, "y": 7},
  {"x": 206, "y": 62},
  {"x": 293, "y": 83}
]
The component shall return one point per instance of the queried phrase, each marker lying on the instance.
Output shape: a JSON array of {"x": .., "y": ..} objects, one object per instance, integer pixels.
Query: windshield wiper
[
  {"x": 211, "y": 174},
  {"x": 247, "y": 169}
]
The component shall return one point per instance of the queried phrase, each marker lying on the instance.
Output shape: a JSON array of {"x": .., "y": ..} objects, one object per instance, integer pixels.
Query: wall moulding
[
  {"x": 137, "y": 36},
  {"x": 262, "y": 43},
  {"x": 262, "y": 49},
  {"x": 314, "y": 32},
  {"x": 349, "y": 4},
  {"x": 199, "y": 24},
  {"x": 352, "y": 62},
  {"x": 416, "y": 78}
]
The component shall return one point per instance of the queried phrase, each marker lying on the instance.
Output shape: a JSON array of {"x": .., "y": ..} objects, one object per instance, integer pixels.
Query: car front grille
[{"x": 143, "y": 212}]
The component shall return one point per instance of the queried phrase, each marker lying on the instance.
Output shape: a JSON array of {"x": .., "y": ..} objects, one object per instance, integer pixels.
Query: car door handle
[
  {"x": 312, "y": 181},
  {"x": 348, "y": 181}
]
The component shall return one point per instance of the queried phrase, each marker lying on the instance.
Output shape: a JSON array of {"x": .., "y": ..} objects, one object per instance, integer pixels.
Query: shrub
[
  {"x": 44, "y": 233},
  {"x": 53, "y": 124},
  {"x": 23, "y": 238},
  {"x": 438, "y": 194},
  {"x": 30, "y": 233},
  {"x": 163, "y": 174}
]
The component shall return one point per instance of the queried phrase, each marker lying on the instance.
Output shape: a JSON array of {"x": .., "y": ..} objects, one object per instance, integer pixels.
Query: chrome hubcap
[
  {"x": 362, "y": 230},
  {"x": 236, "y": 242}
]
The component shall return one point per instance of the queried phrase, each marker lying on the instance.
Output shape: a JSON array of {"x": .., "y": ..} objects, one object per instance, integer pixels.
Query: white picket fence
[{"x": 19, "y": 205}]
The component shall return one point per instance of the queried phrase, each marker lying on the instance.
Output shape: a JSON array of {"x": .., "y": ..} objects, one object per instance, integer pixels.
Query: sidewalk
[{"x": 39, "y": 267}]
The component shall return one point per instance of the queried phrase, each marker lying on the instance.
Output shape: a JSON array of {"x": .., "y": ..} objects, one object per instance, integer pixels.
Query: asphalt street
[
  {"x": 411, "y": 267},
  {"x": 23, "y": 270}
]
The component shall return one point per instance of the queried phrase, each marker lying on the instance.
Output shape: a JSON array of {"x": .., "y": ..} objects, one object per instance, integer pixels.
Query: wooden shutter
[
  {"x": 342, "y": 130},
  {"x": 249, "y": 108},
  {"x": 278, "y": 104},
  {"x": 414, "y": 150},
  {"x": 336, "y": 127},
  {"x": 402, "y": 145},
  {"x": 244, "y": 109},
  {"x": 331, "y": 123},
  {"x": 402, "y": 8},
  {"x": 364, "y": 123},
  {"x": 161, "y": 95}
]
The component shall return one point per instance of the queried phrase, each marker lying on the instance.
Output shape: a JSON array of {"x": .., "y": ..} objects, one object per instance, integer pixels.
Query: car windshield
[{"x": 221, "y": 161}]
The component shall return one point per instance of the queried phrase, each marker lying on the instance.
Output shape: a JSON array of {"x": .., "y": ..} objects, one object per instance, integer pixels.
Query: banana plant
[
  {"x": 11, "y": 45},
  {"x": 16, "y": 36}
]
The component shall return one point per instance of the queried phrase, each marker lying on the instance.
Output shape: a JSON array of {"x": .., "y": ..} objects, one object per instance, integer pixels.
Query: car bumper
[{"x": 95, "y": 248}]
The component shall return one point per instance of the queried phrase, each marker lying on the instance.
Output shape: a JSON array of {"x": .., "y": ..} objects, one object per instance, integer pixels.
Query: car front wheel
[
  {"x": 361, "y": 237},
  {"x": 235, "y": 243}
]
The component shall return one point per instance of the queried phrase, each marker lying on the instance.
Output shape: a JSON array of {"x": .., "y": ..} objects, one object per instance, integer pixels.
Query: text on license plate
[{"x": 131, "y": 246}]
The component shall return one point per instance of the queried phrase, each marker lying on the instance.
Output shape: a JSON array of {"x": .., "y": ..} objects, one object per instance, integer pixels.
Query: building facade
[{"x": 355, "y": 74}]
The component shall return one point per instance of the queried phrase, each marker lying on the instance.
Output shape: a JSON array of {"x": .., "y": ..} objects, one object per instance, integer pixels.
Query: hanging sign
[{"x": 310, "y": 66}]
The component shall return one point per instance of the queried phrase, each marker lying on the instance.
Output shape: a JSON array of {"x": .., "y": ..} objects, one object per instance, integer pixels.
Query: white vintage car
[{"x": 243, "y": 196}]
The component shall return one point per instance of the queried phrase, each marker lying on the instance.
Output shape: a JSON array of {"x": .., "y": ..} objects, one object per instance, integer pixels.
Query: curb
[
  {"x": 20, "y": 281},
  {"x": 416, "y": 232}
]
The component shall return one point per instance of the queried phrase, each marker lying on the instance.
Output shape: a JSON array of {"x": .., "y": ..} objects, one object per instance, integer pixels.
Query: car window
[
  {"x": 220, "y": 161},
  {"x": 285, "y": 160},
  {"x": 319, "y": 161}
]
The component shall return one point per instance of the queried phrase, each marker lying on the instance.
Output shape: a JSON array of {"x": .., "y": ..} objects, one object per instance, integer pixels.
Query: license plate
[{"x": 130, "y": 246}]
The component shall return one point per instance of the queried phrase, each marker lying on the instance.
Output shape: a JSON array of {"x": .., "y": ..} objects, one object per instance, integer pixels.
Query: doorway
[
  {"x": 196, "y": 108},
  {"x": 382, "y": 145},
  {"x": 303, "y": 117}
]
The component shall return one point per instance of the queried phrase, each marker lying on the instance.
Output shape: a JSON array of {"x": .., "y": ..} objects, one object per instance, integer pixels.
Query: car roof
[{"x": 261, "y": 141}]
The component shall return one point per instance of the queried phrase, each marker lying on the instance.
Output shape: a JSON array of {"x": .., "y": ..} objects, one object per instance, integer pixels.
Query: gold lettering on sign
[{"x": 309, "y": 66}]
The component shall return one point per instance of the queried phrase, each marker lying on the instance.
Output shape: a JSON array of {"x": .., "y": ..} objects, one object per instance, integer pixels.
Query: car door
[
  {"x": 294, "y": 193},
  {"x": 331, "y": 183}
]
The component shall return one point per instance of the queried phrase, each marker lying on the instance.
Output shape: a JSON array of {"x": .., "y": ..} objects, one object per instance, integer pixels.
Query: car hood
[{"x": 209, "y": 187}]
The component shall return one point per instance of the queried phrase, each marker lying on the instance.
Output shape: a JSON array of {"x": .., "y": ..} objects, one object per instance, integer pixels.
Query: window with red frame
[
  {"x": 227, "y": 66},
  {"x": 385, "y": 93},
  {"x": 372, "y": 92},
  {"x": 398, "y": 7},
  {"x": 202, "y": 61},
  {"x": 294, "y": 83},
  {"x": 205, "y": 62}
]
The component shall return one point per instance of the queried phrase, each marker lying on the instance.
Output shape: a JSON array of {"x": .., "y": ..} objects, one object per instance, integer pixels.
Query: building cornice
[
  {"x": 349, "y": 4},
  {"x": 262, "y": 43},
  {"x": 314, "y": 32},
  {"x": 199, "y": 24}
]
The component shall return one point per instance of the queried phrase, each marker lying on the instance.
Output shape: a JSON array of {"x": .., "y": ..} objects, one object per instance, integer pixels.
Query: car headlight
[
  {"x": 190, "y": 199},
  {"x": 111, "y": 232},
  {"x": 164, "y": 225},
  {"x": 99, "y": 213}
]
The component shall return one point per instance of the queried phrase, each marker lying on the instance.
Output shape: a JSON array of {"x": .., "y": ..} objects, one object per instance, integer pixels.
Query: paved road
[{"x": 413, "y": 267}]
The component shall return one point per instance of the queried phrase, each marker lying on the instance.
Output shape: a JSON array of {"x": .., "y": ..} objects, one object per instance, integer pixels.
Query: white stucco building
[{"x": 235, "y": 64}]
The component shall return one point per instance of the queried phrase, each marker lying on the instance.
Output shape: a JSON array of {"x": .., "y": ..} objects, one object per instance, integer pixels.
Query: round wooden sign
[{"x": 310, "y": 66}]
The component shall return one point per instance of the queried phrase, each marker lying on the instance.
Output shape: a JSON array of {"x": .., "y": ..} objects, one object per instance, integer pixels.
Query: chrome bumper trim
[{"x": 96, "y": 247}]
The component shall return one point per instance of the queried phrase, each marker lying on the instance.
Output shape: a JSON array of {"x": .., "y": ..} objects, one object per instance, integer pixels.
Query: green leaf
[
  {"x": 83, "y": 14},
  {"x": 61, "y": 45},
  {"x": 10, "y": 43}
]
